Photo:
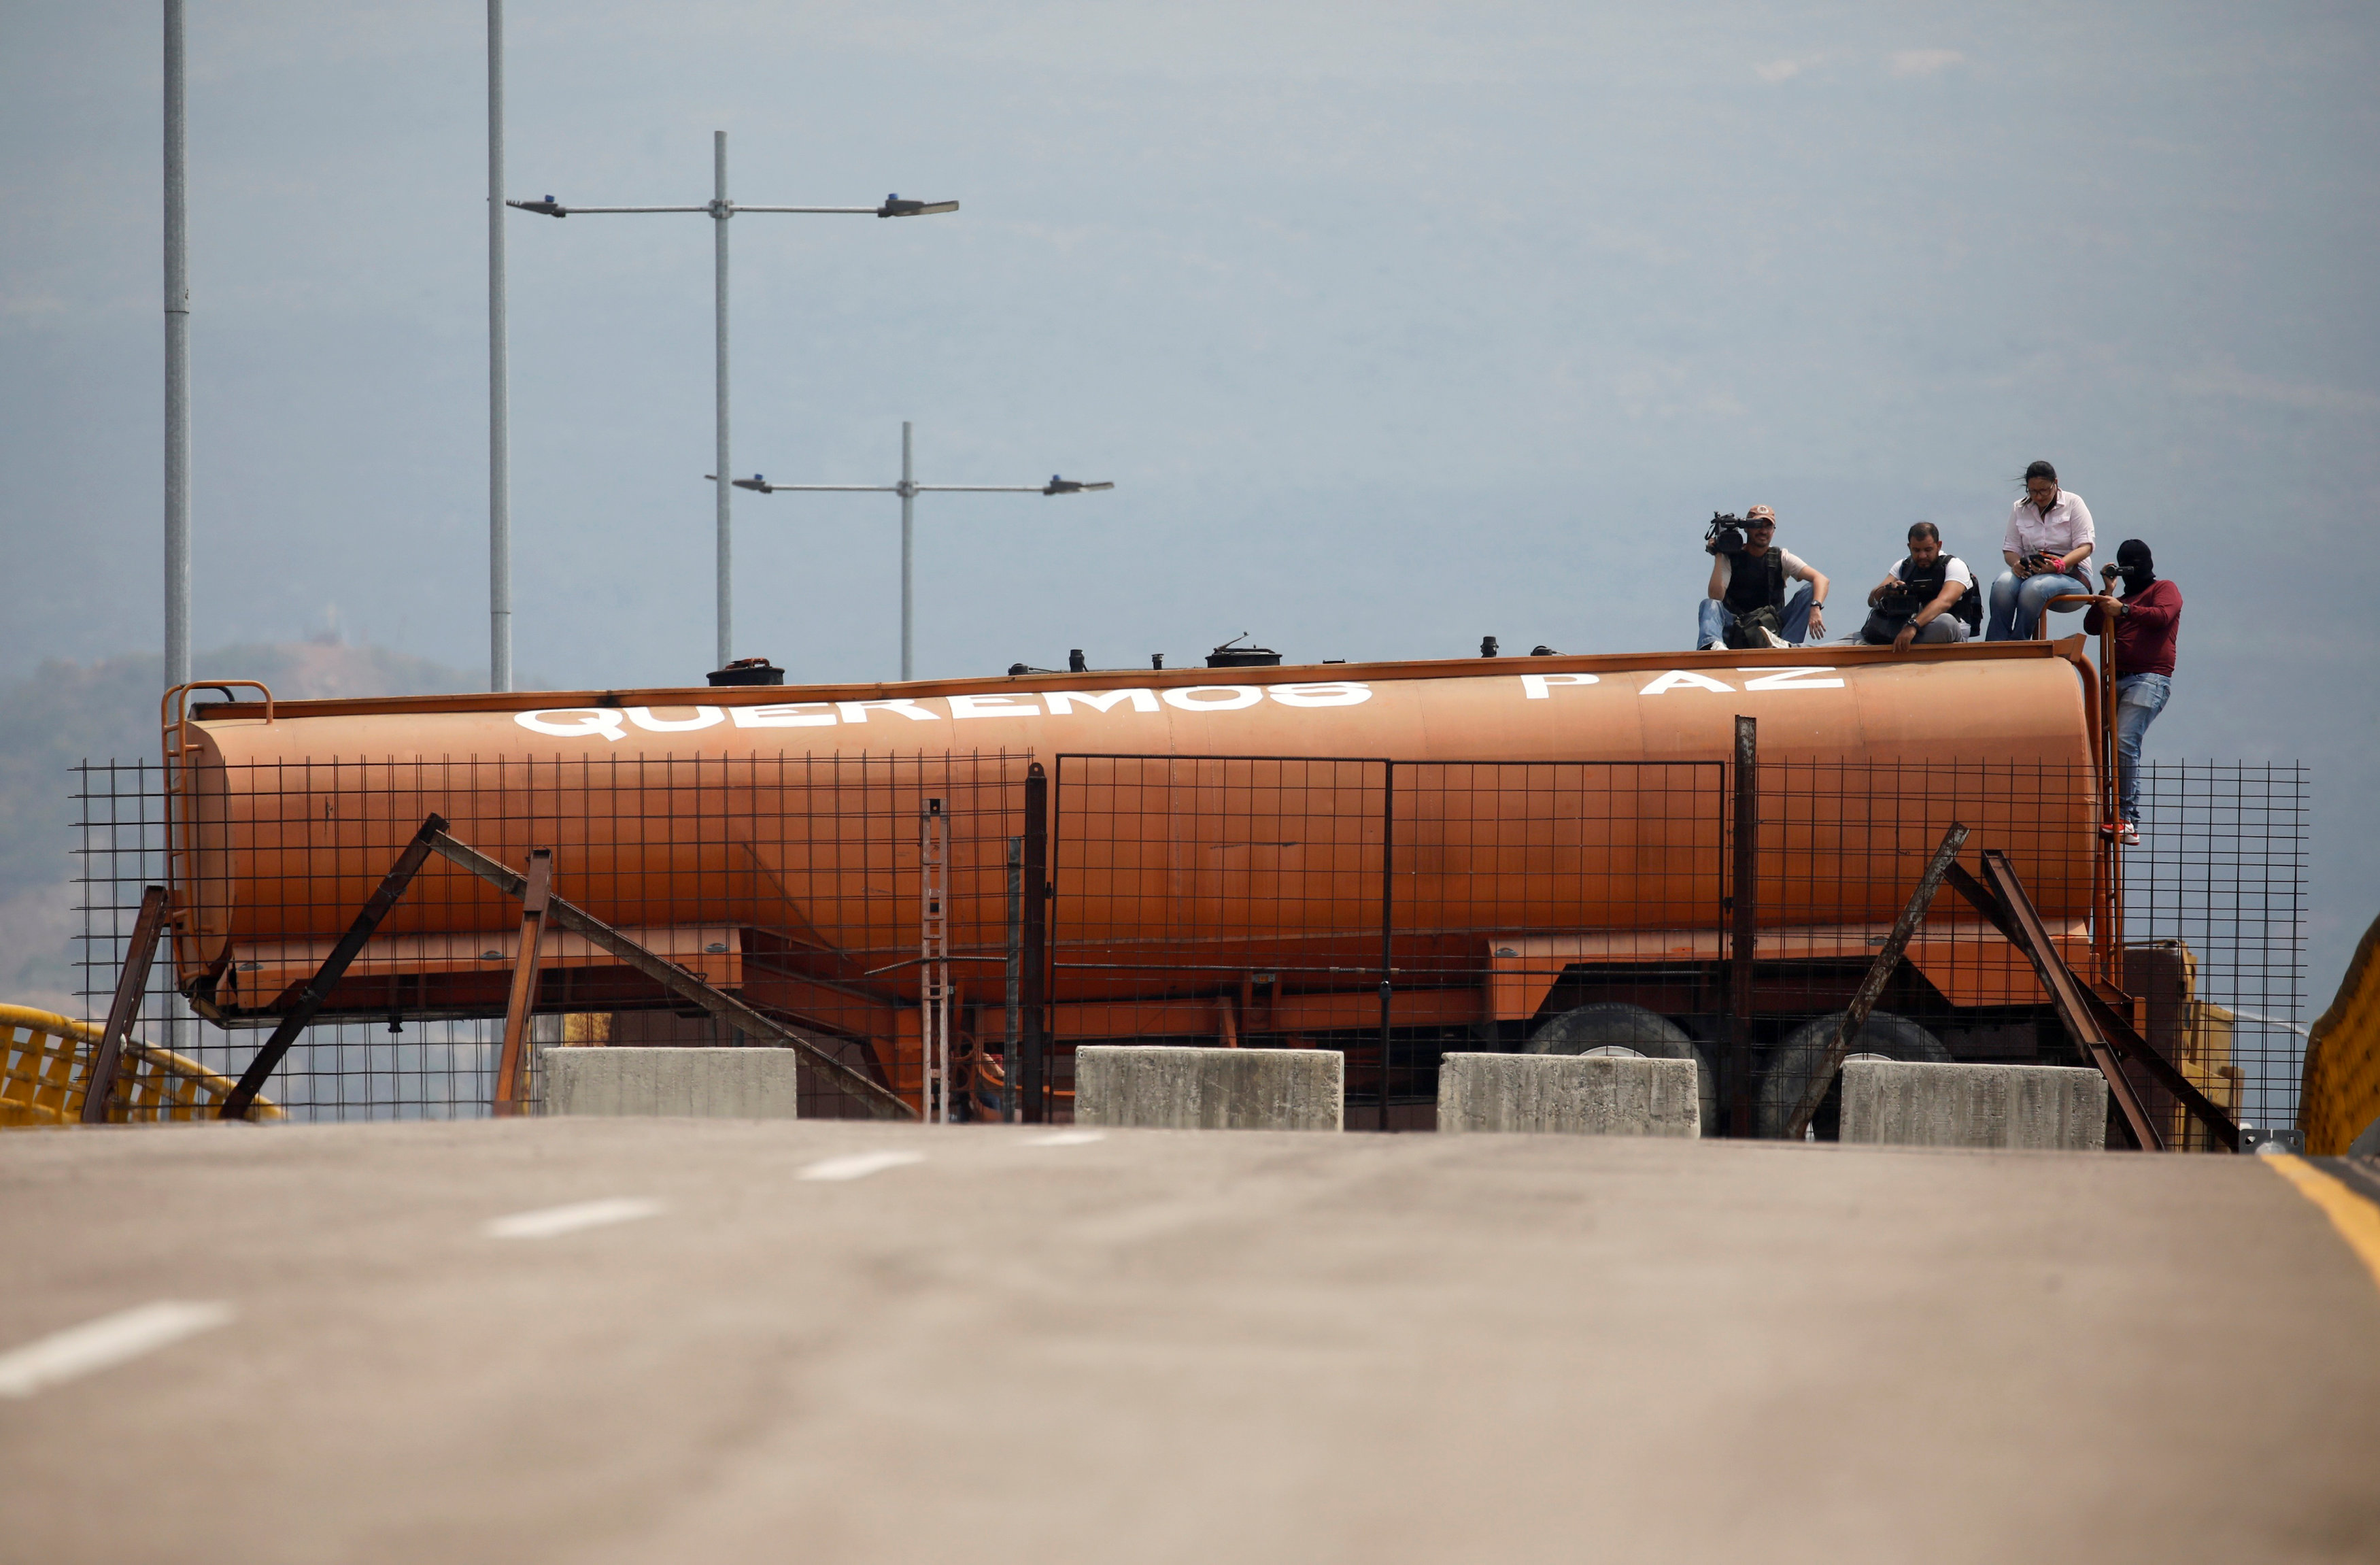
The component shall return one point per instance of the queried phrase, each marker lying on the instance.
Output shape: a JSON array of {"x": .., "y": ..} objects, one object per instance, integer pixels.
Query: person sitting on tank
[
  {"x": 2048, "y": 538},
  {"x": 1929, "y": 596},
  {"x": 1747, "y": 606}
]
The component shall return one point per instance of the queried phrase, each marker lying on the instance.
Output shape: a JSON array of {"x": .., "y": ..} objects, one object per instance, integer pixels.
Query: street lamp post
[
  {"x": 908, "y": 488},
  {"x": 499, "y": 438},
  {"x": 720, "y": 208},
  {"x": 178, "y": 358}
]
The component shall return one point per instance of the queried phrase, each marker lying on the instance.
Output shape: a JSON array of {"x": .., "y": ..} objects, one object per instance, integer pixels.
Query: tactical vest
[
  {"x": 1927, "y": 581},
  {"x": 1756, "y": 581}
]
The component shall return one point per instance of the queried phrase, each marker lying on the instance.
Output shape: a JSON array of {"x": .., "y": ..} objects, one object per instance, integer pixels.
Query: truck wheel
[
  {"x": 1792, "y": 1064},
  {"x": 1611, "y": 1027}
]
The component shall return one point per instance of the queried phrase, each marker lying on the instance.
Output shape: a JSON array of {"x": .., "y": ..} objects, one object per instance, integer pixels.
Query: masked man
[{"x": 2148, "y": 621}]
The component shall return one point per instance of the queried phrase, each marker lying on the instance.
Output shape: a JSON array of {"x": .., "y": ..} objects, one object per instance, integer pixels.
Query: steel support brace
[
  {"x": 721, "y": 1005},
  {"x": 1744, "y": 889},
  {"x": 2114, "y": 1028},
  {"x": 99, "y": 1086},
  {"x": 433, "y": 837},
  {"x": 1033, "y": 981},
  {"x": 318, "y": 989},
  {"x": 1011, "y": 1048},
  {"x": 524, "y": 995},
  {"x": 1872, "y": 987},
  {"x": 1387, "y": 919},
  {"x": 2032, "y": 936}
]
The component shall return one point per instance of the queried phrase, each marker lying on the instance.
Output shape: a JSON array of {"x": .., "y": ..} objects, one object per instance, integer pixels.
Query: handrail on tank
[
  {"x": 173, "y": 736},
  {"x": 2108, "y": 866}
]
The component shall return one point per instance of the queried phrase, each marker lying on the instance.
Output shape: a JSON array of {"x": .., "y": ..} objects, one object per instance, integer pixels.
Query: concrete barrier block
[
  {"x": 2050, "y": 1108},
  {"x": 1210, "y": 1088},
  {"x": 1569, "y": 1095},
  {"x": 703, "y": 1083}
]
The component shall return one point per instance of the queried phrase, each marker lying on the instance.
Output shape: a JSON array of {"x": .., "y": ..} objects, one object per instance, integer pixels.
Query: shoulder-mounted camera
[{"x": 1725, "y": 534}]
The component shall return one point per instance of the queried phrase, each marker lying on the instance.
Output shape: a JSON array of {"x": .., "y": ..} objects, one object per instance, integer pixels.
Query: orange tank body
[{"x": 769, "y": 837}]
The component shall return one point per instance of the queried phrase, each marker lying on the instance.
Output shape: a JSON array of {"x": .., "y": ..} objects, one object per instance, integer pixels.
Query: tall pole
[
  {"x": 177, "y": 364},
  {"x": 720, "y": 212},
  {"x": 908, "y": 545},
  {"x": 500, "y": 439}
]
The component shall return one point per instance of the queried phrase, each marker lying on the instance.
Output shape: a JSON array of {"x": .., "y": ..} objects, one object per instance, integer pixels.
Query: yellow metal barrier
[
  {"x": 45, "y": 1059},
  {"x": 2341, "y": 1089}
]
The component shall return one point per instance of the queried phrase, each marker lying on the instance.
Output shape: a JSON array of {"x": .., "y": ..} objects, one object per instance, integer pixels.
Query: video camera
[
  {"x": 1899, "y": 600},
  {"x": 1725, "y": 534}
]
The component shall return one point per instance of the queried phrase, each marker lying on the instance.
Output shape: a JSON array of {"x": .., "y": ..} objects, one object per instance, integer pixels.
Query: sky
[{"x": 1396, "y": 325}]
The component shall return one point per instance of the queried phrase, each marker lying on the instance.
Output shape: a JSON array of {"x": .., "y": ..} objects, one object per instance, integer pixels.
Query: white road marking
[
  {"x": 860, "y": 1165},
  {"x": 1068, "y": 1138},
  {"x": 110, "y": 1339},
  {"x": 548, "y": 1221}
]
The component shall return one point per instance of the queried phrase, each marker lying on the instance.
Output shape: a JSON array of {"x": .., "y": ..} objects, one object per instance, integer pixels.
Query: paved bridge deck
[{"x": 1172, "y": 1346}]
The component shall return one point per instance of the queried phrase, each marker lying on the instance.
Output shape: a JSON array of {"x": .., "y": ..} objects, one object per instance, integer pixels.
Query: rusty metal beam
[
  {"x": 524, "y": 995},
  {"x": 335, "y": 966},
  {"x": 2068, "y": 996},
  {"x": 676, "y": 979},
  {"x": 2118, "y": 1033},
  {"x": 1388, "y": 922},
  {"x": 1034, "y": 958},
  {"x": 1743, "y": 892},
  {"x": 840, "y": 1009},
  {"x": 1872, "y": 987},
  {"x": 1343, "y": 1011},
  {"x": 99, "y": 1085},
  {"x": 2133, "y": 1045}
]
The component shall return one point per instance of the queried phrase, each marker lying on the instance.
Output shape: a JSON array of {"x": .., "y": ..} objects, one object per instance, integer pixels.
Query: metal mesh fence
[
  {"x": 795, "y": 882},
  {"x": 1393, "y": 910},
  {"x": 2214, "y": 907}
]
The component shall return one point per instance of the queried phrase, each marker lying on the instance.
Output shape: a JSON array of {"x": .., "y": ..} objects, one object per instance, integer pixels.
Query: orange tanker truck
[{"x": 1392, "y": 858}]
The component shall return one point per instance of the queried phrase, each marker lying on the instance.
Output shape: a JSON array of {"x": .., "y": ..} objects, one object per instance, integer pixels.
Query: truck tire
[
  {"x": 1791, "y": 1063},
  {"x": 1612, "y": 1027}
]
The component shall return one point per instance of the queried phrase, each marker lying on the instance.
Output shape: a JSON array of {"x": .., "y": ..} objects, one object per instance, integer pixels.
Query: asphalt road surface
[{"x": 645, "y": 1341}]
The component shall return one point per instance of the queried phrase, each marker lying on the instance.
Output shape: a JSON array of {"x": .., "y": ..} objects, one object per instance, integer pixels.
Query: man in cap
[
  {"x": 1744, "y": 584},
  {"x": 2148, "y": 621}
]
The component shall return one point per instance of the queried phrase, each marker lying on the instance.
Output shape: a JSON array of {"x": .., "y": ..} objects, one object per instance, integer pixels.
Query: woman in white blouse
[{"x": 2048, "y": 540}]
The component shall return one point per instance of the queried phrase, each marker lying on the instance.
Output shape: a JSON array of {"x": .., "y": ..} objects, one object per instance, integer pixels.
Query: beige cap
[{"x": 1761, "y": 513}]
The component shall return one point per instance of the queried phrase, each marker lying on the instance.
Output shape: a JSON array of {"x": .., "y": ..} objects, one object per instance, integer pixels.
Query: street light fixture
[
  {"x": 908, "y": 488},
  {"x": 720, "y": 208}
]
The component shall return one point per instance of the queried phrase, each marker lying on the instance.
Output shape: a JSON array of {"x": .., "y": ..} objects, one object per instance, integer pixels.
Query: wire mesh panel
[
  {"x": 1393, "y": 910},
  {"x": 2214, "y": 928},
  {"x": 1526, "y": 892},
  {"x": 1214, "y": 900},
  {"x": 794, "y": 881},
  {"x": 1843, "y": 846},
  {"x": 383, "y": 1068}
]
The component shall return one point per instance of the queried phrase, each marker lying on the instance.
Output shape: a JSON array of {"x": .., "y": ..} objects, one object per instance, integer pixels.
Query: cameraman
[
  {"x": 1928, "y": 597},
  {"x": 2048, "y": 538},
  {"x": 1744, "y": 584},
  {"x": 2148, "y": 623}
]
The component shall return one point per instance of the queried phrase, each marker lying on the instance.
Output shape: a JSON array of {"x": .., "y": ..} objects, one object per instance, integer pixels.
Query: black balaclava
[{"x": 2135, "y": 563}]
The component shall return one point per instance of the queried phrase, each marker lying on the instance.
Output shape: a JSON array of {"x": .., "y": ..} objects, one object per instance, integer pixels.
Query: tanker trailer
[{"x": 1394, "y": 858}]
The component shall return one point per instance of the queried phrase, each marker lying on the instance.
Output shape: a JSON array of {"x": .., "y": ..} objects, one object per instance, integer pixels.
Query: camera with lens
[
  {"x": 1725, "y": 534},
  {"x": 1899, "y": 600}
]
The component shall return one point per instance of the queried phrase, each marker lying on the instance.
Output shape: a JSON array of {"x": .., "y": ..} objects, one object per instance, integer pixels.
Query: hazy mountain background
[
  {"x": 1397, "y": 325},
  {"x": 65, "y": 713}
]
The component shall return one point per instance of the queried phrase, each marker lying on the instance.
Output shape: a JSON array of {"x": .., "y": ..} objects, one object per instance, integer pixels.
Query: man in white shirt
[
  {"x": 2048, "y": 538},
  {"x": 1757, "y": 578},
  {"x": 1929, "y": 596}
]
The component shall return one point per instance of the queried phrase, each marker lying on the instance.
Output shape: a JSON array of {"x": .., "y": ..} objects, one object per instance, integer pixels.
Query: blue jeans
[
  {"x": 1713, "y": 618},
  {"x": 2139, "y": 698},
  {"x": 2018, "y": 601}
]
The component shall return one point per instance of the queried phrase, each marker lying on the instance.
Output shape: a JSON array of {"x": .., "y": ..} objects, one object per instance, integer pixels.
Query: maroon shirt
[{"x": 2146, "y": 630}]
